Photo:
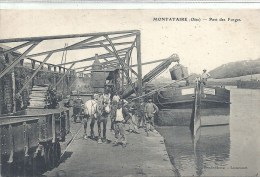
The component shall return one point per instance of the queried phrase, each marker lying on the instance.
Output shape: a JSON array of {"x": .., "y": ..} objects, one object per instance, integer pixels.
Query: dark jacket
[
  {"x": 78, "y": 103},
  {"x": 126, "y": 114}
]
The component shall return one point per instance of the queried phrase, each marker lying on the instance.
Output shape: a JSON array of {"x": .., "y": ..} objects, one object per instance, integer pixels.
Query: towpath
[{"x": 143, "y": 156}]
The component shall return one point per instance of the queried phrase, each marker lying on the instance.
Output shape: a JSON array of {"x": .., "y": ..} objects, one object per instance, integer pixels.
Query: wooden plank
[
  {"x": 65, "y": 36},
  {"x": 40, "y": 86},
  {"x": 36, "y": 107},
  {"x": 37, "y": 104},
  {"x": 37, "y": 101},
  {"x": 65, "y": 48},
  {"x": 102, "y": 63},
  {"x": 101, "y": 56},
  {"x": 98, "y": 46},
  {"x": 39, "y": 89},
  {"x": 39, "y": 93},
  {"x": 36, "y": 98}
]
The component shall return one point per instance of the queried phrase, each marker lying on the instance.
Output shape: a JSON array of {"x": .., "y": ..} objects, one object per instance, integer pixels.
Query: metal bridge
[{"x": 42, "y": 134}]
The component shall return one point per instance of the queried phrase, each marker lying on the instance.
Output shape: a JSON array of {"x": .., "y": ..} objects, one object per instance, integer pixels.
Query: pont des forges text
[{"x": 194, "y": 19}]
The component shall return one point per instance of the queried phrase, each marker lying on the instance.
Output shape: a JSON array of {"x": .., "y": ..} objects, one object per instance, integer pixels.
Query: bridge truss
[{"x": 117, "y": 45}]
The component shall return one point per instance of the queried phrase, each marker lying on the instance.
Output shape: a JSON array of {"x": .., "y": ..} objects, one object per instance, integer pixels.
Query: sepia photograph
[{"x": 88, "y": 92}]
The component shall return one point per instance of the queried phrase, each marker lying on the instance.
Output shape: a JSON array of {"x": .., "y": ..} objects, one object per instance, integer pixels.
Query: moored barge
[{"x": 183, "y": 97}]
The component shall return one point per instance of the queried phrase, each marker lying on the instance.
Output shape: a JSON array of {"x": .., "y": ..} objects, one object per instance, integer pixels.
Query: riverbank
[{"x": 143, "y": 156}]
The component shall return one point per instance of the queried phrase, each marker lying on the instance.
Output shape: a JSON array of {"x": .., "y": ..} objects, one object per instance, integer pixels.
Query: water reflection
[
  {"x": 205, "y": 153},
  {"x": 233, "y": 147},
  {"x": 216, "y": 116},
  {"x": 211, "y": 149}
]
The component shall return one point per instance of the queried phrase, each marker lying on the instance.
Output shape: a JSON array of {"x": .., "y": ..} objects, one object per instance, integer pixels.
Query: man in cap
[
  {"x": 138, "y": 112},
  {"x": 106, "y": 96},
  {"x": 105, "y": 110},
  {"x": 150, "y": 109},
  {"x": 96, "y": 96},
  {"x": 204, "y": 76},
  {"x": 115, "y": 101},
  {"x": 121, "y": 116},
  {"x": 77, "y": 107}
]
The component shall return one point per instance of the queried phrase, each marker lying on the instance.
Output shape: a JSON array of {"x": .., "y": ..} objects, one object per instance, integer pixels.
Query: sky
[{"x": 199, "y": 44}]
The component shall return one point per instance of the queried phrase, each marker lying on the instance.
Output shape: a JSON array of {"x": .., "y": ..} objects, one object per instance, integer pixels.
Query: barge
[
  {"x": 252, "y": 84},
  {"x": 182, "y": 98}
]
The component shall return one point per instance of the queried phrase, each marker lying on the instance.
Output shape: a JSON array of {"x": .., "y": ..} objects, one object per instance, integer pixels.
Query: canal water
[{"x": 228, "y": 150}]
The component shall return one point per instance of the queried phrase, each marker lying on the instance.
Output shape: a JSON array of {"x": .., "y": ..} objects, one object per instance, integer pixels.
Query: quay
[
  {"x": 143, "y": 156},
  {"x": 33, "y": 90}
]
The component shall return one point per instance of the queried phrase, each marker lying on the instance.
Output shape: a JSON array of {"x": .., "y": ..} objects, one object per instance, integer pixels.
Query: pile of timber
[{"x": 39, "y": 97}]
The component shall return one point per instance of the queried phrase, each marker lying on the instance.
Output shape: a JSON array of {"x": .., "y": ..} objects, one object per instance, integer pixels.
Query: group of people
[{"x": 104, "y": 106}]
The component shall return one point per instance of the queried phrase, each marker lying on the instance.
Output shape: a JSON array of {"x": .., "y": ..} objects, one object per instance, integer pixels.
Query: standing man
[
  {"x": 141, "y": 120},
  {"x": 77, "y": 107},
  {"x": 104, "y": 115},
  {"x": 204, "y": 76},
  {"x": 96, "y": 96},
  {"x": 116, "y": 98},
  {"x": 106, "y": 97},
  {"x": 115, "y": 101},
  {"x": 138, "y": 111},
  {"x": 150, "y": 109},
  {"x": 121, "y": 116}
]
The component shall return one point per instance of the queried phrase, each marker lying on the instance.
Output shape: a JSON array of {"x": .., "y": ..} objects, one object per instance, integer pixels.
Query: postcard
[{"x": 129, "y": 90}]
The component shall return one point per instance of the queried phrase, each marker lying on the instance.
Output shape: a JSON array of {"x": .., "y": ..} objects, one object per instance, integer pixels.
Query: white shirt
[
  {"x": 116, "y": 98},
  {"x": 125, "y": 102},
  {"x": 119, "y": 115},
  {"x": 106, "y": 97},
  {"x": 205, "y": 75}
]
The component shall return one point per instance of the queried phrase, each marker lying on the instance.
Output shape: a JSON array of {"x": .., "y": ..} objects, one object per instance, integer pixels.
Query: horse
[
  {"x": 91, "y": 111},
  {"x": 95, "y": 110}
]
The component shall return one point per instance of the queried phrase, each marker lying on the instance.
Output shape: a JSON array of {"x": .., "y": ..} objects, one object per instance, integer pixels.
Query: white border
[{"x": 113, "y": 5}]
